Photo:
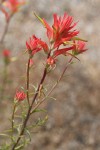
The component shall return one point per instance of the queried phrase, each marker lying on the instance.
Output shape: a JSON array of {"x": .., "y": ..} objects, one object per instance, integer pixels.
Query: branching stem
[{"x": 31, "y": 105}]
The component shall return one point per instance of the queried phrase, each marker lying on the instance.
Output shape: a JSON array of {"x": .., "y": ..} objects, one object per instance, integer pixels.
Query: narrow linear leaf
[
  {"x": 77, "y": 38},
  {"x": 38, "y": 110},
  {"x": 19, "y": 147},
  {"x": 28, "y": 134},
  {"x": 39, "y": 18}
]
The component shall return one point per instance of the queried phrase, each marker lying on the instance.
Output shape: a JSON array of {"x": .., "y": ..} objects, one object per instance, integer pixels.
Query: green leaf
[
  {"x": 28, "y": 134},
  {"x": 10, "y": 130},
  {"x": 52, "y": 98},
  {"x": 2, "y": 134},
  {"x": 39, "y": 18},
  {"x": 19, "y": 147},
  {"x": 42, "y": 121},
  {"x": 38, "y": 110}
]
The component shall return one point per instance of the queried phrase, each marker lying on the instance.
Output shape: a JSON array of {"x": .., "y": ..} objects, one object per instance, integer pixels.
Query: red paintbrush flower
[
  {"x": 61, "y": 30},
  {"x": 13, "y": 5},
  {"x": 20, "y": 96},
  {"x": 6, "y": 53},
  {"x": 35, "y": 45}
]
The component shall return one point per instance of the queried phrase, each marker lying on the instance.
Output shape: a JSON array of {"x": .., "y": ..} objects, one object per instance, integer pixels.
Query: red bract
[
  {"x": 13, "y": 5},
  {"x": 43, "y": 45},
  {"x": 20, "y": 96},
  {"x": 35, "y": 45},
  {"x": 62, "y": 51},
  {"x": 79, "y": 47},
  {"x": 31, "y": 62},
  {"x": 52, "y": 59},
  {"x": 61, "y": 30}
]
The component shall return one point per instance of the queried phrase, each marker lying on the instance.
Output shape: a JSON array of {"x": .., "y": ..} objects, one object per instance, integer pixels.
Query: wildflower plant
[{"x": 62, "y": 40}]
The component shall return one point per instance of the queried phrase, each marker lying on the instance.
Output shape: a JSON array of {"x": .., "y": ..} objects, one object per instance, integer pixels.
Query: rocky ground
[{"x": 74, "y": 118}]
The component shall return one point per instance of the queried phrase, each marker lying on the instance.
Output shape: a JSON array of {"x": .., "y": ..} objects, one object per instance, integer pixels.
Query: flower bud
[{"x": 20, "y": 96}]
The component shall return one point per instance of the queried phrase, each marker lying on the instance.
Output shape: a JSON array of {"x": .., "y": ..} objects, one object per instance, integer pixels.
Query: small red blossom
[
  {"x": 61, "y": 30},
  {"x": 51, "y": 61},
  {"x": 79, "y": 47},
  {"x": 6, "y": 53},
  {"x": 13, "y": 5},
  {"x": 35, "y": 45},
  {"x": 20, "y": 96}
]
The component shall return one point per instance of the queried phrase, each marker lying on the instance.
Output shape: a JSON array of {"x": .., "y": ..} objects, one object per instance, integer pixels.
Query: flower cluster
[{"x": 61, "y": 33}]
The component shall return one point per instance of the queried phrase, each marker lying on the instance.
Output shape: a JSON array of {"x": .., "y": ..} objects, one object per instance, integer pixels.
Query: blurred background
[{"x": 74, "y": 118}]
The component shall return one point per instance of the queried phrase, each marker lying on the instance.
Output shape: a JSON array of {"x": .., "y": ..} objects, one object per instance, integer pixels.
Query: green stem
[
  {"x": 13, "y": 117},
  {"x": 30, "y": 107},
  {"x": 27, "y": 82},
  {"x": 6, "y": 28},
  {"x": 4, "y": 83},
  {"x": 54, "y": 86}
]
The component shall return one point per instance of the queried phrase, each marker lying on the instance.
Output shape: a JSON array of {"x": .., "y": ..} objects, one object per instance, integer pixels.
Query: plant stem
[
  {"x": 30, "y": 107},
  {"x": 54, "y": 86},
  {"x": 29, "y": 110},
  {"x": 27, "y": 81},
  {"x": 3, "y": 83},
  {"x": 4, "y": 33},
  {"x": 13, "y": 117},
  {"x": 6, "y": 29}
]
